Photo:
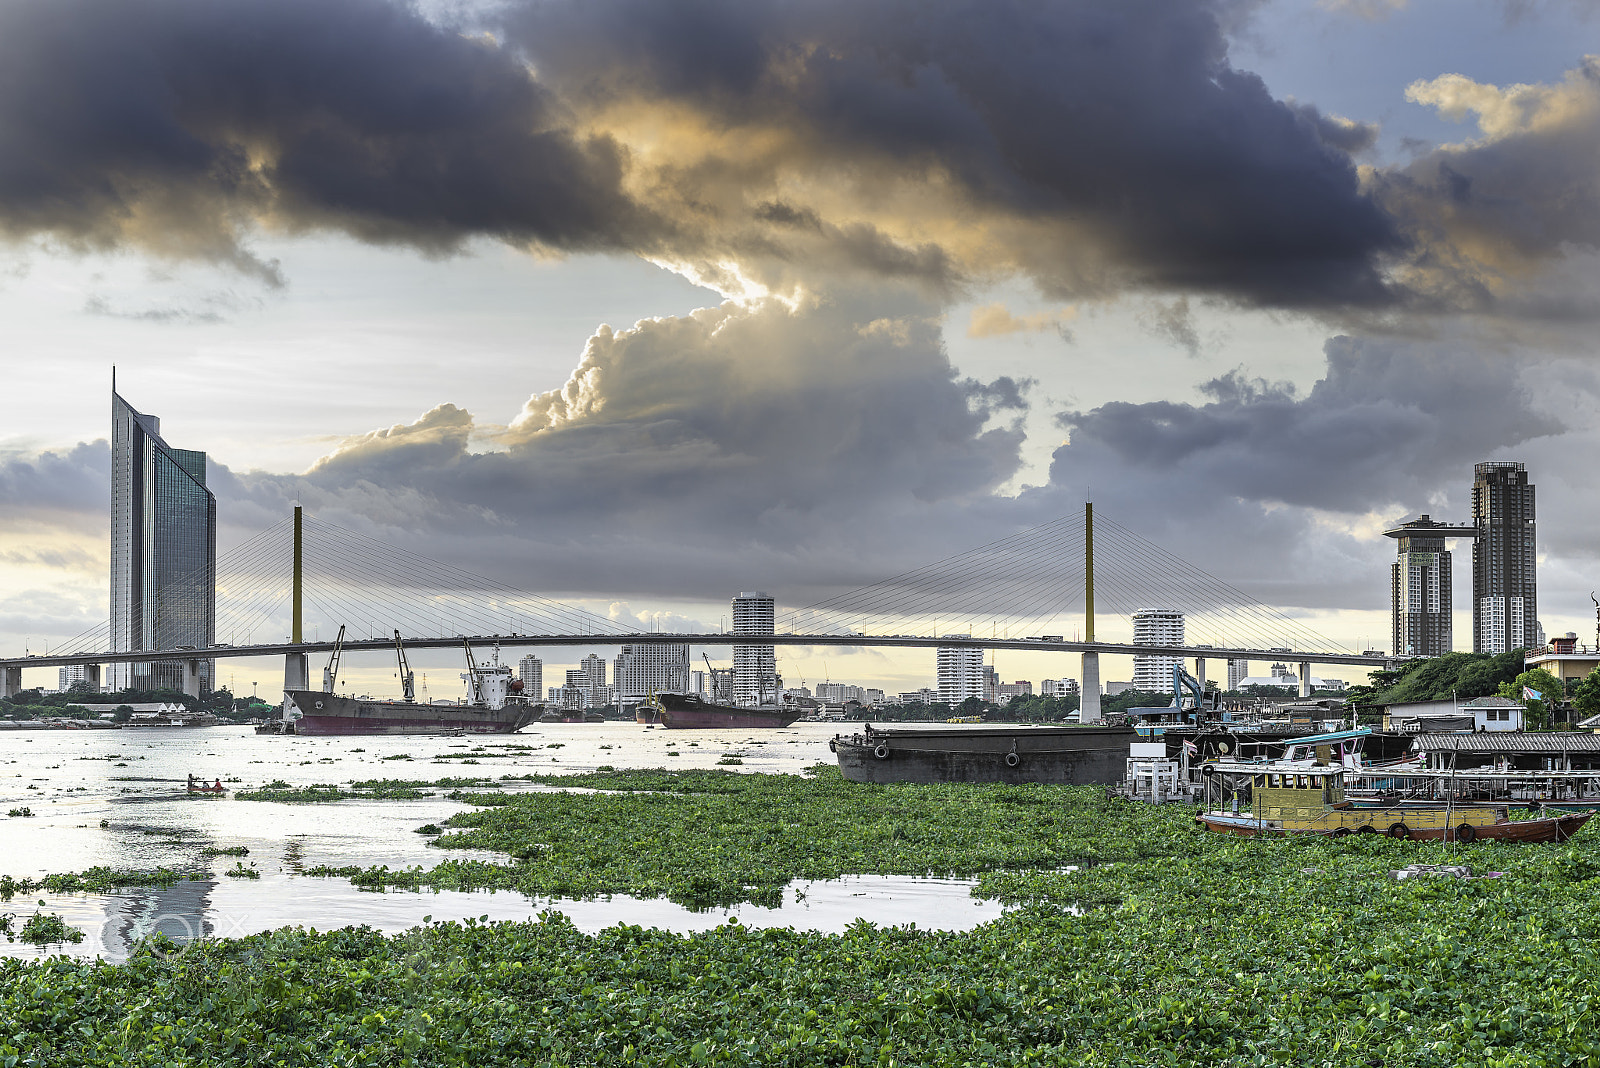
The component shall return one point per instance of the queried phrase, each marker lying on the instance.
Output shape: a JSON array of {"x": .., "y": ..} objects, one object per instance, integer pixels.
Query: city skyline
[{"x": 577, "y": 363}]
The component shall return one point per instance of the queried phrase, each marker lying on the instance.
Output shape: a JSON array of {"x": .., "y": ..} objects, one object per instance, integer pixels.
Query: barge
[{"x": 1074, "y": 756}]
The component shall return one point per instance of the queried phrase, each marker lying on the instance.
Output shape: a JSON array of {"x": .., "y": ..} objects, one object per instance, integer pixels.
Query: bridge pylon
[
  {"x": 296, "y": 672},
  {"x": 1089, "y": 687}
]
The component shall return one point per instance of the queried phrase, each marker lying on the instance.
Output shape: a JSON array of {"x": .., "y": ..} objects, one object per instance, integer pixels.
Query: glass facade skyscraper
[{"x": 163, "y": 551}]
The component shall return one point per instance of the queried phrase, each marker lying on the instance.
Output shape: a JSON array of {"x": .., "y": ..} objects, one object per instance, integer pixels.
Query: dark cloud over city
[{"x": 846, "y": 174}]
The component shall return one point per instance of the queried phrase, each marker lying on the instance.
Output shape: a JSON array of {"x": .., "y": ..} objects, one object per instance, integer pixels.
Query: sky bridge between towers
[{"x": 1038, "y": 589}]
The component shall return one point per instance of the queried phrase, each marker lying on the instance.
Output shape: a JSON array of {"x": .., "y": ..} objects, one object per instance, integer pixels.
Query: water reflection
[{"x": 231, "y": 908}]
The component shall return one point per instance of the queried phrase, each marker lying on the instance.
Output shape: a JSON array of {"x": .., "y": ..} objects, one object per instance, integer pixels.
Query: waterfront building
[
  {"x": 874, "y": 695},
  {"x": 837, "y": 693},
  {"x": 1058, "y": 688},
  {"x": 163, "y": 551},
  {"x": 1156, "y": 626},
  {"x": 755, "y": 667},
  {"x": 594, "y": 680},
  {"x": 923, "y": 696},
  {"x": 657, "y": 667},
  {"x": 1238, "y": 670},
  {"x": 71, "y": 675},
  {"x": 1505, "y": 600},
  {"x": 960, "y": 671},
  {"x": 1420, "y": 598},
  {"x": 530, "y": 669}
]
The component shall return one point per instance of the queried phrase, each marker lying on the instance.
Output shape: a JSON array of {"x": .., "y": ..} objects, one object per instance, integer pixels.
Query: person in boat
[
  {"x": 217, "y": 788},
  {"x": 191, "y": 780}
]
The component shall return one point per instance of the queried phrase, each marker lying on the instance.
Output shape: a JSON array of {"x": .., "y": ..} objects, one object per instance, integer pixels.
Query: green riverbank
[{"x": 1184, "y": 949}]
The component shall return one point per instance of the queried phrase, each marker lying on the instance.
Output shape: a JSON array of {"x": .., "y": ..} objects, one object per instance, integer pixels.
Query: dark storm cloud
[
  {"x": 1388, "y": 422},
  {"x": 1117, "y": 126},
  {"x": 1096, "y": 146},
  {"x": 1392, "y": 429},
  {"x": 171, "y": 123},
  {"x": 71, "y": 483}
]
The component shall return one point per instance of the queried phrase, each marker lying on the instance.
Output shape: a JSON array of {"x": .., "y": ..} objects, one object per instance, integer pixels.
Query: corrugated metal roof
[{"x": 1508, "y": 742}]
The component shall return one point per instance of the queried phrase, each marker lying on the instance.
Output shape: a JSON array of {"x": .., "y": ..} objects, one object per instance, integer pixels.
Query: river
[{"x": 117, "y": 798}]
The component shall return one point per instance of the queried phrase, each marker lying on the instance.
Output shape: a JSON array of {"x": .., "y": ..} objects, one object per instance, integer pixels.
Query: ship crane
[
  {"x": 330, "y": 674},
  {"x": 474, "y": 689},
  {"x": 408, "y": 679}
]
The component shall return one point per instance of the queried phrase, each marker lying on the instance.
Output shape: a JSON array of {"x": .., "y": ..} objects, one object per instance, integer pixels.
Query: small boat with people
[
  {"x": 200, "y": 786},
  {"x": 1304, "y": 793}
]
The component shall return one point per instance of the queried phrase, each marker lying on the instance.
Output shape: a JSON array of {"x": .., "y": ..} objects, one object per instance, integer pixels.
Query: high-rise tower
[
  {"x": 755, "y": 667},
  {"x": 960, "y": 672},
  {"x": 1156, "y": 626},
  {"x": 1420, "y": 599},
  {"x": 163, "y": 551},
  {"x": 1505, "y": 600}
]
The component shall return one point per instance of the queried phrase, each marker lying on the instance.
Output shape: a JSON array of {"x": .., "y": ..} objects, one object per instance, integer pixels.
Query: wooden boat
[{"x": 1307, "y": 797}]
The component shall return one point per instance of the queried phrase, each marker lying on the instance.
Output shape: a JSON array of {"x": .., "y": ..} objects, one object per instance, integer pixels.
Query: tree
[
  {"x": 1538, "y": 681},
  {"x": 1586, "y": 695},
  {"x": 122, "y": 714}
]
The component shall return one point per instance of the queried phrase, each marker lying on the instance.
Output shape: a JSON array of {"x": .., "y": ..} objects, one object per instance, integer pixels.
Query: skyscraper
[
  {"x": 163, "y": 551},
  {"x": 755, "y": 667},
  {"x": 1156, "y": 626},
  {"x": 1505, "y": 600},
  {"x": 961, "y": 672},
  {"x": 1420, "y": 598}
]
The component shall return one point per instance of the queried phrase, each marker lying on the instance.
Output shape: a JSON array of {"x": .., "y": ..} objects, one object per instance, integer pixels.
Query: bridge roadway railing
[{"x": 906, "y": 641}]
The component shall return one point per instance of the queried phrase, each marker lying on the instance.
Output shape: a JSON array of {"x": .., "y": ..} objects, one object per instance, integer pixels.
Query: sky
[{"x": 641, "y": 303}]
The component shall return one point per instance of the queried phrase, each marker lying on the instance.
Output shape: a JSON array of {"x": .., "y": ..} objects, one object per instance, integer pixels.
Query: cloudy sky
[{"x": 638, "y": 303}]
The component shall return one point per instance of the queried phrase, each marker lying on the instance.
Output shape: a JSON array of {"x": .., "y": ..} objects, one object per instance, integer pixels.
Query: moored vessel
[
  {"x": 1011, "y": 754},
  {"x": 1289, "y": 797},
  {"x": 688, "y": 710},
  {"x": 494, "y": 705}
]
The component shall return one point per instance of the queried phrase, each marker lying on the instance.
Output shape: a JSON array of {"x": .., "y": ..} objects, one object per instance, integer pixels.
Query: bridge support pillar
[
  {"x": 191, "y": 678},
  {"x": 1200, "y": 672},
  {"x": 91, "y": 675},
  {"x": 296, "y": 673},
  {"x": 1089, "y": 690},
  {"x": 10, "y": 681},
  {"x": 1305, "y": 678}
]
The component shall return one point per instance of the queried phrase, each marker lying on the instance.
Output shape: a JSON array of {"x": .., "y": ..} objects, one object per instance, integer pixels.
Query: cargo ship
[
  {"x": 687, "y": 710},
  {"x": 495, "y": 704}
]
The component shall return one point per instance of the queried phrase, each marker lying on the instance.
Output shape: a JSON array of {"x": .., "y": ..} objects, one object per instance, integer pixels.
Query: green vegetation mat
[{"x": 1178, "y": 948}]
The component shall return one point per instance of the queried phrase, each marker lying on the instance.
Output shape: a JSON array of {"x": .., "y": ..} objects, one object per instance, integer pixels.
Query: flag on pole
[
  {"x": 1530, "y": 694},
  {"x": 1190, "y": 748}
]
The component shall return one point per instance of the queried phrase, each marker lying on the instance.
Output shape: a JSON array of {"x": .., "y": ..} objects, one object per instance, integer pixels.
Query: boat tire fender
[
  {"x": 882, "y": 751},
  {"x": 1466, "y": 833},
  {"x": 1368, "y": 829},
  {"x": 1534, "y": 806},
  {"x": 833, "y": 746},
  {"x": 1399, "y": 830},
  {"x": 1340, "y": 832},
  {"x": 319, "y": 704},
  {"x": 1012, "y": 760}
]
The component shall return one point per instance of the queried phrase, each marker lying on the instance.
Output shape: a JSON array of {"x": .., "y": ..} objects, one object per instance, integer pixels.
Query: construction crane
[
  {"x": 330, "y": 674},
  {"x": 408, "y": 680}
]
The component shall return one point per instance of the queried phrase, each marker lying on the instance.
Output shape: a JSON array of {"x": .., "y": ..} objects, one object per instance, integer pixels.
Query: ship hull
[
  {"x": 687, "y": 712},
  {"x": 326, "y": 713},
  {"x": 1070, "y": 756},
  {"x": 1408, "y": 823}
]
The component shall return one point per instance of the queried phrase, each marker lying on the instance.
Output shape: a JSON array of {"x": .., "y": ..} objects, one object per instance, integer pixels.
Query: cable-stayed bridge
[{"x": 1039, "y": 589}]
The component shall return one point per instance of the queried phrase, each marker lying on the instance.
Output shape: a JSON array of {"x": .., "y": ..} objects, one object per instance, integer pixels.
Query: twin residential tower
[{"x": 1505, "y": 601}]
